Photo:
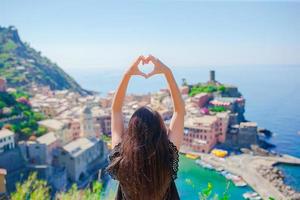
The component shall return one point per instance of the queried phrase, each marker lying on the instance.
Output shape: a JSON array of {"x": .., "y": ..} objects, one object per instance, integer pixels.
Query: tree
[
  {"x": 35, "y": 189},
  {"x": 26, "y": 131},
  {"x": 38, "y": 116},
  {"x": 32, "y": 189},
  {"x": 2, "y": 104},
  {"x": 41, "y": 131}
]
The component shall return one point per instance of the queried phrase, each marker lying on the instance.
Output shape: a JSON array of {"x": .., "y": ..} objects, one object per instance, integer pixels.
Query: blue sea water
[{"x": 272, "y": 96}]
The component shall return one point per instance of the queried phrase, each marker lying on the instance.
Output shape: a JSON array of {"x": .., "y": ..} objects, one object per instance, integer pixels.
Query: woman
[{"x": 144, "y": 158}]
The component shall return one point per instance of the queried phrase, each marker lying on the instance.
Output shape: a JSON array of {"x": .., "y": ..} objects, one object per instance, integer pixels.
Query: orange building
[{"x": 2, "y": 181}]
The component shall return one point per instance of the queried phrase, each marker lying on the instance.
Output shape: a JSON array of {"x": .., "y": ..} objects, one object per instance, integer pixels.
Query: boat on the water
[
  {"x": 237, "y": 180},
  {"x": 191, "y": 156},
  {"x": 204, "y": 164},
  {"x": 224, "y": 173},
  {"x": 239, "y": 183},
  {"x": 251, "y": 196},
  {"x": 219, "y": 169}
]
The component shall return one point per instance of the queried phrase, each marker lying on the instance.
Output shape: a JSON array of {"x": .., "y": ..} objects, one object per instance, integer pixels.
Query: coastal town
[{"x": 74, "y": 145}]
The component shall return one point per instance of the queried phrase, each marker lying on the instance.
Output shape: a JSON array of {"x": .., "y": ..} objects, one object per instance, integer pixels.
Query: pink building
[
  {"x": 184, "y": 90},
  {"x": 231, "y": 103},
  {"x": 203, "y": 133},
  {"x": 2, "y": 85},
  {"x": 201, "y": 99}
]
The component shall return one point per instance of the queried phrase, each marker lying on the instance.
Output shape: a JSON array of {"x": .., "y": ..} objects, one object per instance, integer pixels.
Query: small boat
[
  {"x": 191, "y": 156},
  {"x": 219, "y": 169},
  {"x": 251, "y": 196},
  {"x": 240, "y": 183},
  {"x": 224, "y": 172},
  {"x": 204, "y": 164},
  {"x": 229, "y": 176}
]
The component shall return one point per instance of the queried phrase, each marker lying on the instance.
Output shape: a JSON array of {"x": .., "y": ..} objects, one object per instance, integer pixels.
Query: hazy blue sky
[{"x": 182, "y": 33}]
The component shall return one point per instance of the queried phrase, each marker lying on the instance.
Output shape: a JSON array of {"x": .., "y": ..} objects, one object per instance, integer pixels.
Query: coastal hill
[{"x": 21, "y": 65}]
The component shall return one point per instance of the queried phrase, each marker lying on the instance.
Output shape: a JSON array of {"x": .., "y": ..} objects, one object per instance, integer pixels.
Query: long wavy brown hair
[{"x": 144, "y": 165}]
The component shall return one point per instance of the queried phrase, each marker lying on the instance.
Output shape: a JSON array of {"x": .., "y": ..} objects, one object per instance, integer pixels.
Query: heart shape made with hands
[{"x": 146, "y": 67}]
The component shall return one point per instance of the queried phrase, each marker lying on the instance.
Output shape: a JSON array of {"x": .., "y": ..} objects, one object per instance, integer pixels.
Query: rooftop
[
  {"x": 3, "y": 171},
  {"x": 51, "y": 124},
  {"x": 47, "y": 139},
  {"x": 6, "y": 133},
  {"x": 196, "y": 122},
  {"x": 80, "y": 145}
]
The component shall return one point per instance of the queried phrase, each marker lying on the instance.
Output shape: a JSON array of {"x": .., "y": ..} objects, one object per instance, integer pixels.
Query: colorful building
[
  {"x": 201, "y": 99},
  {"x": 2, "y": 85},
  {"x": 7, "y": 140},
  {"x": 2, "y": 181},
  {"x": 203, "y": 133}
]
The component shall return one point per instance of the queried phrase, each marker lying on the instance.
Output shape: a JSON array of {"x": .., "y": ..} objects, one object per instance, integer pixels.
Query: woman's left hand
[{"x": 134, "y": 69}]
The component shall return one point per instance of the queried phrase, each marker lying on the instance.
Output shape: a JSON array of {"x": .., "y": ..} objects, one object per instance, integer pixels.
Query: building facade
[
  {"x": 2, "y": 85},
  {"x": 7, "y": 140},
  {"x": 2, "y": 182},
  {"x": 77, "y": 157},
  {"x": 201, "y": 134}
]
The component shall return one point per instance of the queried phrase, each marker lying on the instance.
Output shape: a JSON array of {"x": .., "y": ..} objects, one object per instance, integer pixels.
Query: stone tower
[
  {"x": 86, "y": 122},
  {"x": 212, "y": 77}
]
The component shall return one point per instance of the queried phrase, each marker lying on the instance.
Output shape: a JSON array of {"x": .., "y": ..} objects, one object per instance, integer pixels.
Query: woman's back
[{"x": 145, "y": 162}]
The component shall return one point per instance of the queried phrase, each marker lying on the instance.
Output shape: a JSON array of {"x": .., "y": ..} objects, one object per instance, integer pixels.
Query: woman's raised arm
[
  {"x": 117, "y": 122},
  {"x": 177, "y": 121}
]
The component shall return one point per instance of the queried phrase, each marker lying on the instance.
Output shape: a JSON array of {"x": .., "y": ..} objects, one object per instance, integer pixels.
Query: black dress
[{"x": 171, "y": 194}]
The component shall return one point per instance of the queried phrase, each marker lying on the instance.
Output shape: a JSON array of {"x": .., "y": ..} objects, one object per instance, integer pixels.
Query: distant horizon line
[{"x": 174, "y": 66}]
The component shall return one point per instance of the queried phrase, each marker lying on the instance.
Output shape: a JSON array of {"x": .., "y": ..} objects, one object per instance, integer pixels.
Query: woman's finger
[{"x": 138, "y": 60}]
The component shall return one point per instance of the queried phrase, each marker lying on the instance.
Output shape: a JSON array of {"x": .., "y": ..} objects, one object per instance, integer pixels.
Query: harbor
[{"x": 257, "y": 171}]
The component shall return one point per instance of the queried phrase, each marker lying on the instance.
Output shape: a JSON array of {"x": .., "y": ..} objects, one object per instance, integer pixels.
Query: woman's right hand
[
  {"x": 159, "y": 67},
  {"x": 134, "y": 69}
]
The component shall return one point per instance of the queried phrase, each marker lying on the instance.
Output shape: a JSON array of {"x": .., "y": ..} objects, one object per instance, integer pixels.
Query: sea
[{"x": 272, "y": 94}]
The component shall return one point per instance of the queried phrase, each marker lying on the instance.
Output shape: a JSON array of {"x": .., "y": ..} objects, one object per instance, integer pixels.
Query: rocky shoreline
[{"x": 276, "y": 178}]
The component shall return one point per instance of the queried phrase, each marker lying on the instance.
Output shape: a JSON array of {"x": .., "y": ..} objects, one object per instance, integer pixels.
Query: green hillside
[
  {"x": 22, "y": 65},
  {"x": 17, "y": 115}
]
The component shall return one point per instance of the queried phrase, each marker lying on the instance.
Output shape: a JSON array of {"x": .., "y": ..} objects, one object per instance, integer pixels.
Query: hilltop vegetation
[
  {"x": 206, "y": 88},
  {"x": 22, "y": 65}
]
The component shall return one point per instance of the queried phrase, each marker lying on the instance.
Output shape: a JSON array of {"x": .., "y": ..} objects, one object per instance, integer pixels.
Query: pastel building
[
  {"x": 2, "y": 182},
  {"x": 7, "y": 141},
  {"x": 184, "y": 90},
  {"x": 58, "y": 127},
  {"x": 201, "y": 134},
  {"x": 201, "y": 99},
  {"x": 231, "y": 103},
  {"x": 102, "y": 121},
  {"x": 2, "y": 85}
]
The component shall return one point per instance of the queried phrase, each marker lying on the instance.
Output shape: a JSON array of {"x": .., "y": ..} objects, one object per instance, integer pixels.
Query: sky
[{"x": 111, "y": 34}]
